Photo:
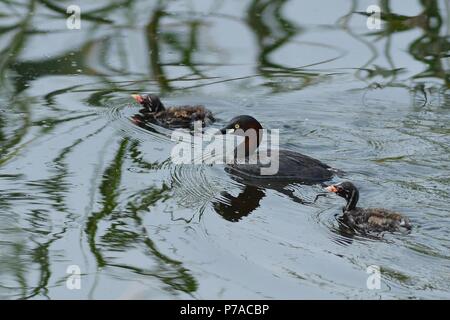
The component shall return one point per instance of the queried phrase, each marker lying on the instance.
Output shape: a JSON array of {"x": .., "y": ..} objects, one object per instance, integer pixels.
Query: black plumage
[{"x": 292, "y": 166}]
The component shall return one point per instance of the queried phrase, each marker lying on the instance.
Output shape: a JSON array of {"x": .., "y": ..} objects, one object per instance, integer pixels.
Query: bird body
[
  {"x": 153, "y": 111},
  {"x": 292, "y": 166},
  {"x": 367, "y": 219}
]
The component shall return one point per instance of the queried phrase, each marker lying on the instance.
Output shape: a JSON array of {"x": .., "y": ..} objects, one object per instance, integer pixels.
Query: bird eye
[{"x": 236, "y": 126}]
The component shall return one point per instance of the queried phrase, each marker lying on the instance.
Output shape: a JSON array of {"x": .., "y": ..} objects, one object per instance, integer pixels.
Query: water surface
[{"x": 81, "y": 185}]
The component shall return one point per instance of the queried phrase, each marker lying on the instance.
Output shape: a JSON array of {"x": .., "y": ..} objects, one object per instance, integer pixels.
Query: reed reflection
[{"x": 431, "y": 48}]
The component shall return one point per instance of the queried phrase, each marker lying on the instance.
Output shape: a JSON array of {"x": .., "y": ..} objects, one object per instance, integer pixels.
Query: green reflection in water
[
  {"x": 269, "y": 26},
  {"x": 119, "y": 237},
  {"x": 430, "y": 48}
]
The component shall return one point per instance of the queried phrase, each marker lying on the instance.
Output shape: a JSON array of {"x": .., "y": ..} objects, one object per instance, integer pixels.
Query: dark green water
[{"x": 81, "y": 185}]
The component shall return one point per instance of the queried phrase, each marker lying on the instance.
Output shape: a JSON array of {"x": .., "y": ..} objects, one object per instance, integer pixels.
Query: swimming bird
[
  {"x": 367, "y": 219},
  {"x": 154, "y": 111},
  {"x": 292, "y": 166}
]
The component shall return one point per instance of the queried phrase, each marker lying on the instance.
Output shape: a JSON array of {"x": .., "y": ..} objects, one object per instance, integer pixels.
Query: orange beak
[
  {"x": 138, "y": 98},
  {"x": 331, "y": 189}
]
